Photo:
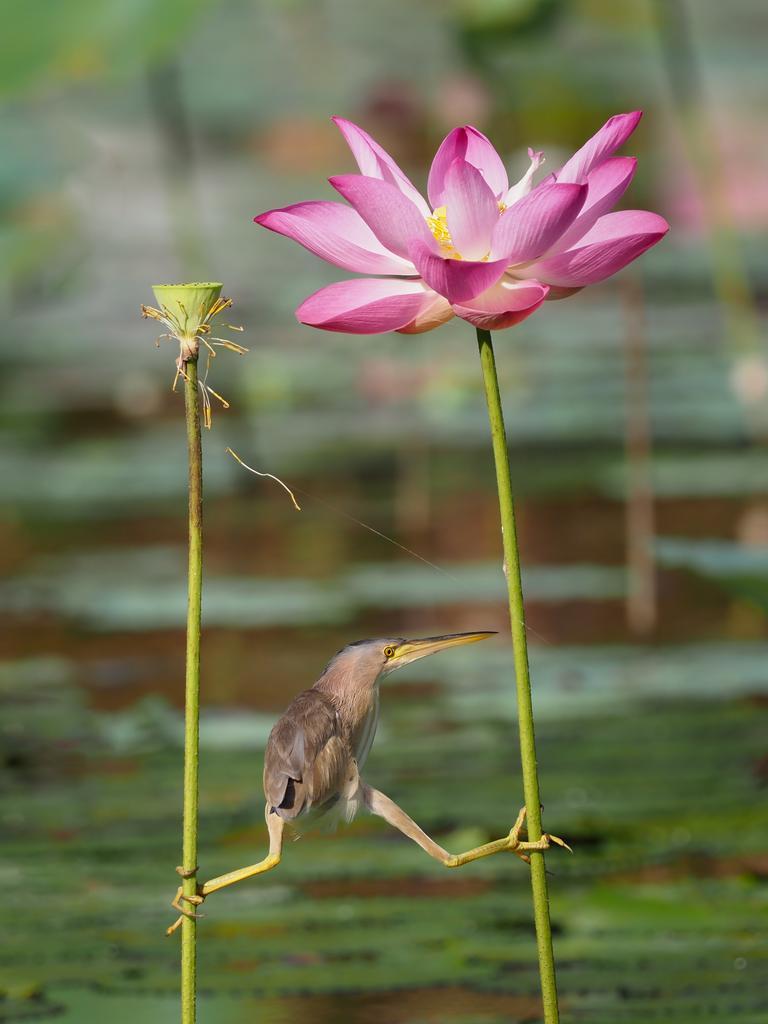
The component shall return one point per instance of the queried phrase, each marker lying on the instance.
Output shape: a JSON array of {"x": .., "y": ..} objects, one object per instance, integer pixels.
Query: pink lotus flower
[{"x": 479, "y": 249}]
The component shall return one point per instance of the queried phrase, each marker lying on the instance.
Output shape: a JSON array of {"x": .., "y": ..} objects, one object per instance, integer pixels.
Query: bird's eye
[{"x": 389, "y": 652}]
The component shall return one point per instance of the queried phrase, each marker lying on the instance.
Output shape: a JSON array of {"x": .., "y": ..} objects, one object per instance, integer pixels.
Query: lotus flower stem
[
  {"x": 522, "y": 673},
  {"x": 192, "y": 691}
]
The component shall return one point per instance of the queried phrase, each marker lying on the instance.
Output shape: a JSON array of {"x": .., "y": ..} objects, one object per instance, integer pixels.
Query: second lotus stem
[{"x": 522, "y": 674}]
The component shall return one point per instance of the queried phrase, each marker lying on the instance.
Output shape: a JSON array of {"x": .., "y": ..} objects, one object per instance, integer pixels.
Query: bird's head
[{"x": 366, "y": 661}]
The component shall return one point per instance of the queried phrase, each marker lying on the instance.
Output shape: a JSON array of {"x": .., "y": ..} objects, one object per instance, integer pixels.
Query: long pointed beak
[{"x": 412, "y": 650}]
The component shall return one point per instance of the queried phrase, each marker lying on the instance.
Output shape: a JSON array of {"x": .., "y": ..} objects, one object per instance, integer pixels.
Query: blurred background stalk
[
  {"x": 692, "y": 111},
  {"x": 168, "y": 107},
  {"x": 640, "y": 510}
]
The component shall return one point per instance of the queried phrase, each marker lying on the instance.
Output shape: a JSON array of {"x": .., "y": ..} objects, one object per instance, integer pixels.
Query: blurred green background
[{"x": 139, "y": 140}]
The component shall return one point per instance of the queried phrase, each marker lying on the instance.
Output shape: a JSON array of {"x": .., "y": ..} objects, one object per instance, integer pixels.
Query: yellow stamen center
[{"x": 438, "y": 225}]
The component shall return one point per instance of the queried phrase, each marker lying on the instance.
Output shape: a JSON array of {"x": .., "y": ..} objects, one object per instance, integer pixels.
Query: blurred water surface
[{"x": 141, "y": 142}]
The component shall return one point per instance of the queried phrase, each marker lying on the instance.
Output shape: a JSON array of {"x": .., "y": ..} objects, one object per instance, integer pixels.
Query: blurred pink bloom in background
[{"x": 480, "y": 249}]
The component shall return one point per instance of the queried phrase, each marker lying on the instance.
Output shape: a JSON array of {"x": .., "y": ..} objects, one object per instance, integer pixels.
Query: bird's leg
[
  {"x": 275, "y": 826},
  {"x": 380, "y": 804}
]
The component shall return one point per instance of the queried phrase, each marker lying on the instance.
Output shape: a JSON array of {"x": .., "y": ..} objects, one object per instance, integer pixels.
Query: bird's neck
[{"x": 353, "y": 702}]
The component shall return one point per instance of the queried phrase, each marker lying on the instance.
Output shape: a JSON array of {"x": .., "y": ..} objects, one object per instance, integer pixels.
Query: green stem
[
  {"x": 524, "y": 704},
  {"x": 192, "y": 692}
]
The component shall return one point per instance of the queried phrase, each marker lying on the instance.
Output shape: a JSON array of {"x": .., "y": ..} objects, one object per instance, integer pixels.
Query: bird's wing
[{"x": 306, "y": 756}]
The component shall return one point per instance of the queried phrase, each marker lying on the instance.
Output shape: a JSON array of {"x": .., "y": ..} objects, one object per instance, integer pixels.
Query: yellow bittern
[{"x": 318, "y": 747}]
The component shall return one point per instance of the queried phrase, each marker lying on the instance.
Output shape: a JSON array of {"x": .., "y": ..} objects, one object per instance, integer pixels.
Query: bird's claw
[
  {"x": 194, "y": 899},
  {"x": 558, "y": 841},
  {"x": 522, "y": 849}
]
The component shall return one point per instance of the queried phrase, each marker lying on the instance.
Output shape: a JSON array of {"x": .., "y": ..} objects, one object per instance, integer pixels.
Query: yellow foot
[
  {"x": 195, "y": 901},
  {"x": 521, "y": 849}
]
